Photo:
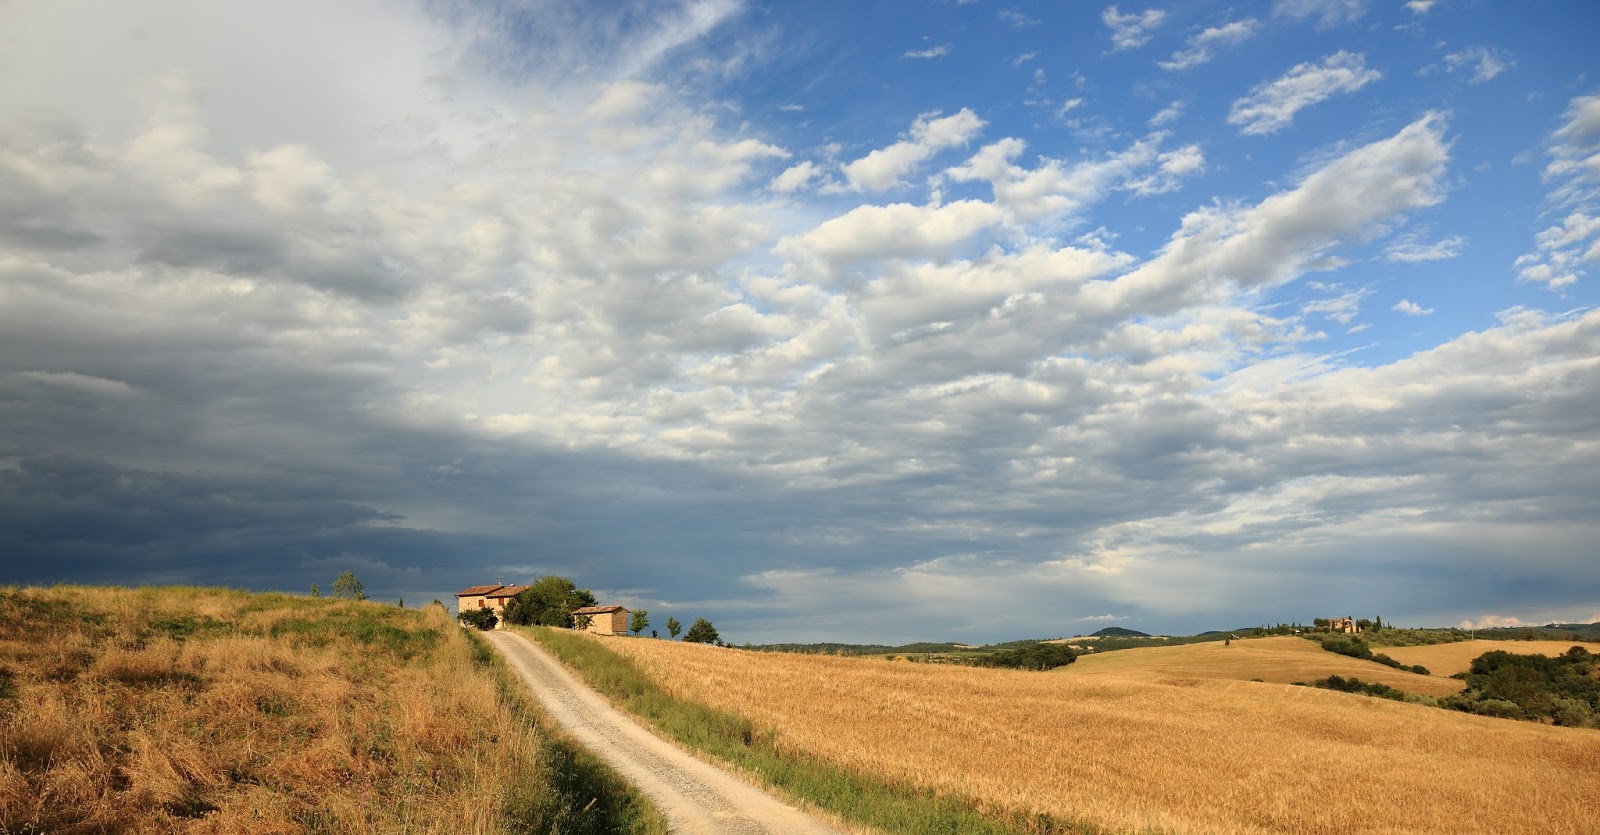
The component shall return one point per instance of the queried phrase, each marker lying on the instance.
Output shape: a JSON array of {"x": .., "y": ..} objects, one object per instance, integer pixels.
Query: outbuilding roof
[{"x": 598, "y": 610}]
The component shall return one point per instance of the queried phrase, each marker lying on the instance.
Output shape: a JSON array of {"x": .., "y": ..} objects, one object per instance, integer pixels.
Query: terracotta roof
[
  {"x": 598, "y": 610},
  {"x": 476, "y": 590},
  {"x": 507, "y": 591}
]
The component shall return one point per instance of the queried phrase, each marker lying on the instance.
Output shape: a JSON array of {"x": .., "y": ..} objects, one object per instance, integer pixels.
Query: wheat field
[
  {"x": 1152, "y": 752},
  {"x": 1280, "y": 660},
  {"x": 1448, "y": 659},
  {"x": 216, "y": 711}
]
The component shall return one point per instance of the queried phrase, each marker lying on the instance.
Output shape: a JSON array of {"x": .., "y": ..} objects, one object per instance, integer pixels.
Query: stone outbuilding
[{"x": 603, "y": 620}]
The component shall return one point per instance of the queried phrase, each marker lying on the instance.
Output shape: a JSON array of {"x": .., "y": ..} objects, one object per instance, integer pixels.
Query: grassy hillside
[
  {"x": 1449, "y": 659},
  {"x": 1276, "y": 660},
  {"x": 1148, "y": 752},
  {"x": 211, "y": 710}
]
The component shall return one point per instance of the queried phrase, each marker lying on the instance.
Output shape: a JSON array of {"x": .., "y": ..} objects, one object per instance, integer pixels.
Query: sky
[{"x": 894, "y": 321}]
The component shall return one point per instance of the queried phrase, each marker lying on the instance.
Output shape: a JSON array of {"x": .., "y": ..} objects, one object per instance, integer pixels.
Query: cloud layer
[{"x": 462, "y": 310}]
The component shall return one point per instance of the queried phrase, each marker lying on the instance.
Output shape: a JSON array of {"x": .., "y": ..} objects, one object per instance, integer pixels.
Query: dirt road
[{"x": 694, "y": 796}]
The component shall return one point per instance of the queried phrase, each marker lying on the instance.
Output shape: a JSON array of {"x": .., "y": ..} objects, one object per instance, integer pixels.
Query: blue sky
[{"x": 826, "y": 321}]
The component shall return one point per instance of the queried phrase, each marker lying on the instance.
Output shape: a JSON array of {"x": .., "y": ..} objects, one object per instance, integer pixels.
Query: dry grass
[
  {"x": 1276, "y": 660},
  {"x": 1184, "y": 754},
  {"x": 209, "y": 710},
  {"x": 1449, "y": 659}
]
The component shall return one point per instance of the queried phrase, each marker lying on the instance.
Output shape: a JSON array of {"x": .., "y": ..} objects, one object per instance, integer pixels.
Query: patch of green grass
[
  {"x": 890, "y": 807},
  {"x": 369, "y": 624}
]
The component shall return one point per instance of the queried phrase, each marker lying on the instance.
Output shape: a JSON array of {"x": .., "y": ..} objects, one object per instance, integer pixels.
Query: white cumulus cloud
[
  {"x": 1132, "y": 30},
  {"x": 929, "y": 135}
]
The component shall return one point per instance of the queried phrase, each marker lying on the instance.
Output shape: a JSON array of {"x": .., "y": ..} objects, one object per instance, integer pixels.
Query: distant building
[
  {"x": 604, "y": 620},
  {"x": 487, "y": 597},
  {"x": 1346, "y": 625}
]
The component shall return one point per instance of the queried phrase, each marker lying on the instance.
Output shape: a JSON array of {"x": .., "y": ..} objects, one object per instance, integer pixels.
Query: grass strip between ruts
[{"x": 862, "y": 799}]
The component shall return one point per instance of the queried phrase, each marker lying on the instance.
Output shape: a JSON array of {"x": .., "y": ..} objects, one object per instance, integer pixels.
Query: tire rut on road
[{"x": 695, "y": 797}]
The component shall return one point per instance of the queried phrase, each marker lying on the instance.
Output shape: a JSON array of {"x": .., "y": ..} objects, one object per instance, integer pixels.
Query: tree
[
  {"x": 702, "y": 632},
  {"x": 347, "y": 586},
  {"x": 674, "y": 627},
  {"x": 638, "y": 621},
  {"x": 481, "y": 618},
  {"x": 547, "y": 601},
  {"x": 316, "y": 590}
]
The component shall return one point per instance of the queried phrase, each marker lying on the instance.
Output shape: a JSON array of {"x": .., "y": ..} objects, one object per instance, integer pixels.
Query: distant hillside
[{"x": 1119, "y": 632}]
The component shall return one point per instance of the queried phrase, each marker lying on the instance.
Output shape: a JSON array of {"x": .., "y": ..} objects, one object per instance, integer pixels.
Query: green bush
[
  {"x": 481, "y": 618},
  {"x": 1356, "y": 685}
]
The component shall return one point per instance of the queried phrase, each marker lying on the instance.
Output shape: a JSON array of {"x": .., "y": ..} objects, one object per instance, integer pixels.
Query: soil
[{"x": 695, "y": 796}]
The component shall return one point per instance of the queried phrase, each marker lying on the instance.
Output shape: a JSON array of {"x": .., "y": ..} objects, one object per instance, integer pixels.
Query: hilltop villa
[{"x": 1347, "y": 625}]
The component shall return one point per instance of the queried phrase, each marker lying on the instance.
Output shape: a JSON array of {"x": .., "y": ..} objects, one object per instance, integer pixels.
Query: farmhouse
[
  {"x": 487, "y": 597},
  {"x": 603, "y": 620},
  {"x": 1347, "y": 625}
]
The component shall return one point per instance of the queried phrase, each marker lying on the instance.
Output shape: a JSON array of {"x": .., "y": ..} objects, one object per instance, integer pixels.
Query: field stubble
[
  {"x": 210, "y": 710},
  {"x": 1165, "y": 753},
  {"x": 1448, "y": 659}
]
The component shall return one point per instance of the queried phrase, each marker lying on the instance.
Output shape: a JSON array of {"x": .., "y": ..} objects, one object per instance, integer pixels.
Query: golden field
[
  {"x": 1152, "y": 752},
  {"x": 210, "y": 710},
  {"x": 1449, "y": 659},
  {"x": 1279, "y": 660}
]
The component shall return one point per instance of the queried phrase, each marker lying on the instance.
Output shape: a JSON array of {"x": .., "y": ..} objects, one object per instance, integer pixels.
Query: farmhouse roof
[
  {"x": 477, "y": 590},
  {"x": 598, "y": 610},
  {"x": 506, "y": 591}
]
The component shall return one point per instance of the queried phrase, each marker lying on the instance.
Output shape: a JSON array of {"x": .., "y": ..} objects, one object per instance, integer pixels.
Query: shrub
[
  {"x": 1356, "y": 685},
  {"x": 481, "y": 618},
  {"x": 702, "y": 632}
]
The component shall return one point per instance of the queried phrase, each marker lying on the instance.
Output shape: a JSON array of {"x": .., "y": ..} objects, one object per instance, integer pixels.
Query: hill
[
  {"x": 1278, "y": 660},
  {"x": 1449, "y": 659},
  {"x": 198, "y": 709},
  {"x": 1119, "y": 632},
  {"x": 1142, "y": 752}
]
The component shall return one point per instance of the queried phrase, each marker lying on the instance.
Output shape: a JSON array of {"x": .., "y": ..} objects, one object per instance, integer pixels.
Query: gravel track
[{"x": 695, "y": 796}]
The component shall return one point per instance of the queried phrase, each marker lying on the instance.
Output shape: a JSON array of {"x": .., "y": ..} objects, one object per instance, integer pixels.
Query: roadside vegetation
[
  {"x": 750, "y": 745},
  {"x": 1122, "y": 751},
  {"x": 216, "y": 710}
]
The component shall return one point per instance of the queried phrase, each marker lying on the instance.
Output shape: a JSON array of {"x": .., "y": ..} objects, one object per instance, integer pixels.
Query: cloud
[
  {"x": 1016, "y": 18},
  {"x": 1167, "y": 115},
  {"x": 1342, "y": 308},
  {"x": 1202, "y": 43},
  {"x": 931, "y": 52},
  {"x": 438, "y": 301},
  {"x": 795, "y": 177},
  {"x": 1270, "y": 106},
  {"x": 1411, "y": 308},
  {"x": 1292, "y": 231},
  {"x": 1484, "y": 62},
  {"x": 895, "y": 230},
  {"x": 1059, "y": 189},
  {"x": 1561, "y": 251},
  {"x": 1411, "y": 249},
  {"x": 1420, "y": 7},
  {"x": 1328, "y": 13},
  {"x": 929, "y": 135},
  {"x": 1492, "y": 622},
  {"x": 1131, "y": 31}
]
